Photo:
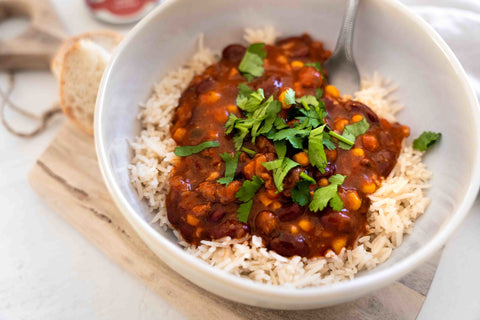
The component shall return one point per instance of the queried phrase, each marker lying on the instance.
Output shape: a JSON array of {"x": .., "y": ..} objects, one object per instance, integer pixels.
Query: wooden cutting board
[{"x": 68, "y": 177}]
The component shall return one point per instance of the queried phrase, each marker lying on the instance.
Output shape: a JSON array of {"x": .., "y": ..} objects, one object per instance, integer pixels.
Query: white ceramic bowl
[{"x": 388, "y": 39}]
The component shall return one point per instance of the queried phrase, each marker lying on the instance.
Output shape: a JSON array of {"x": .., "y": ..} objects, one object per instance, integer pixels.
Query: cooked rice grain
[{"x": 395, "y": 205}]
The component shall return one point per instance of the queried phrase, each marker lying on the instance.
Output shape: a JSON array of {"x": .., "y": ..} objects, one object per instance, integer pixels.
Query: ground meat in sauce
[{"x": 202, "y": 209}]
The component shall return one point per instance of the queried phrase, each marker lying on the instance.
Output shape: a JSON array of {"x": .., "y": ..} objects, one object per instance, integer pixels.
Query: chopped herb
[
  {"x": 264, "y": 117},
  {"x": 346, "y": 141},
  {"x": 243, "y": 211},
  {"x": 280, "y": 124},
  {"x": 328, "y": 143},
  {"x": 184, "y": 151},
  {"x": 328, "y": 195},
  {"x": 305, "y": 176},
  {"x": 249, "y": 151},
  {"x": 316, "y": 153},
  {"x": 351, "y": 131},
  {"x": 248, "y": 189},
  {"x": 251, "y": 65},
  {"x": 289, "y": 97},
  {"x": 280, "y": 173},
  {"x": 426, "y": 140},
  {"x": 272, "y": 165},
  {"x": 305, "y": 101},
  {"x": 280, "y": 148},
  {"x": 247, "y": 99},
  {"x": 230, "y": 167},
  {"x": 319, "y": 93},
  {"x": 293, "y": 135},
  {"x": 301, "y": 192}
]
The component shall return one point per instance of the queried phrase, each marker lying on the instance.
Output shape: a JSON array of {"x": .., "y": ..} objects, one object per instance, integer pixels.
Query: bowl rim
[{"x": 365, "y": 283}]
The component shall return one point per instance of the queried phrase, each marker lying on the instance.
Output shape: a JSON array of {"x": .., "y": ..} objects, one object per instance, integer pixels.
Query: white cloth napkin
[{"x": 458, "y": 22}]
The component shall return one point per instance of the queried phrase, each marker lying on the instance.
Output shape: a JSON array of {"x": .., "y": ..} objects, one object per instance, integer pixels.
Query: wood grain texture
[
  {"x": 67, "y": 176},
  {"x": 34, "y": 48}
]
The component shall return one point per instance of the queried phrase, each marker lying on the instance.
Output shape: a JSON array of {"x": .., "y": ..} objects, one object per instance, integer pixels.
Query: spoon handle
[{"x": 345, "y": 38}]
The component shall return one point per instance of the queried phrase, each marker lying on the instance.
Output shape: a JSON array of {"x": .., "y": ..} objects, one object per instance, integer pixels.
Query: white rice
[{"x": 395, "y": 205}]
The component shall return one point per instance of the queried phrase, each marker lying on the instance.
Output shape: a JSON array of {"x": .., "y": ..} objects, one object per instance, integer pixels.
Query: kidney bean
[
  {"x": 290, "y": 244},
  {"x": 234, "y": 52},
  {"x": 204, "y": 86},
  {"x": 329, "y": 171},
  {"x": 289, "y": 211},
  {"x": 217, "y": 215},
  {"x": 231, "y": 228}
]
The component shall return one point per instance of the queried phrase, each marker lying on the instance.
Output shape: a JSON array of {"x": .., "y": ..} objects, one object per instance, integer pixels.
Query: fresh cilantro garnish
[
  {"x": 293, "y": 135},
  {"x": 328, "y": 195},
  {"x": 301, "y": 192},
  {"x": 246, "y": 194},
  {"x": 280, "y": 173},
  {"x": 184, "y": 151},
  {"x": 316, "y": 153},
  {"x": 243, "y": 211},
  {"x": 249, "y": 151},
  {"x": 319, "y": 93},
  {"x": 426, "y": 140},
  {"x": 305, "y": 176},
  {"x": 247, "y": 99},
  {"x": 351, "y": 132},
  {"x": 230, "y": 167},
  {"x": 264, "y": 117},
  {"x": 280, "y": 148},
  {"x": 248, "y": 189},
  {"x": 251, "y": 65},
  {"x": 305, "y": 101},
  {"x": 289, "y": 97}
]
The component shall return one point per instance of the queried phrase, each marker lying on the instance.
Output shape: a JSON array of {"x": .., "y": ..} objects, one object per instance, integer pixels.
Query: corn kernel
[
  {"x": 232, "y": 108},
  {"x": 213, "y": 134},
  {"x": 209, "y": 97},
  {"x": 338, "y": 244},
  {"x": 340, "y": 124},
  {"x": 357, "y": 118},
  {"x": 198, "y": 232},
  {"x": 368, "y": 187},
  {"x": 323, "y": 182},
  {"x": 293, "y": 229},
  {"x": 264, "y": 199},
  {"x": 332, "y": 91},
  {"x": 192, "y": 220},
  {"x": 214, "y": 175},
  {"x": 272, "y": 193},
  {"x": 301, "y": 158},
  {"x": 179, "y": 134},
  {"x": 358, "y": 152},
  {"x": 326, "y": 234},
  {"x": 297, "y": 64},
  {"x": 353, "y": 201},
  {"x": 275, "y": 205},
  {"x": 220, "y": 115},
  {"x": 233, "y": 72},
  {"x": 282, "y": 59},
  {"x": 305, "y": 225},
  {"x": 281, "y": 98}
]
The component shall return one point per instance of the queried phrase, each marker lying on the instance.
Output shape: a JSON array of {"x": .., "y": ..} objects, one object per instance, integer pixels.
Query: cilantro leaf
[
  {"x": 248, "y": 151},
  {"x": 230, "y": 167},
  {"x": 251, "y": 65},
  {"x": 316, "y": 153},
  {"x": 272, "y": 165},
  {"x": 328, "y": 143},
  {"x": 328, "y": 194},
  {"x": 306, "y": 177},
  {"x": 352, "y": 131},
  {"x": 319, "y": 93},
  {"x": 305, "y": 101},
  {"x": 264, "y": 117},
  {"x": 248, "y": 189},
  {"x": 301, "y": 193},
  {"x": 426, "y": 140},
  {"x": 247, "y": 99},
  {"x": 184, "y": 151},
  {"x": 280, "y": 173},
  {"x": 280, "y": 148},
  {"x": 289, "y": 96},
  {"x": 243, "y": 211}
]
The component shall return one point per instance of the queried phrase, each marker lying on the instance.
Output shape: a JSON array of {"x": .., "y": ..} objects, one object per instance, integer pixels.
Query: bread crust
[{"x": 59, "y": 69}]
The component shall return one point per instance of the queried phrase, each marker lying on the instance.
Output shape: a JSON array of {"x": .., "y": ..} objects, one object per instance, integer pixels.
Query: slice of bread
[
  {"x": 105, "y": 38},
  {"x": 80, "y": 75},
  {"x": 79, "y": 66}
]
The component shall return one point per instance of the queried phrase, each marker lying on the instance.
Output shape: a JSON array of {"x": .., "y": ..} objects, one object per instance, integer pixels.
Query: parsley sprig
[
  {"x": 246, "y": 194},
  {"x": 251, "y": 65}
]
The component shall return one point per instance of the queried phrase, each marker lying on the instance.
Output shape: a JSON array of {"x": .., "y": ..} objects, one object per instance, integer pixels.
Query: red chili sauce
[{"x": 202, "y": 209}]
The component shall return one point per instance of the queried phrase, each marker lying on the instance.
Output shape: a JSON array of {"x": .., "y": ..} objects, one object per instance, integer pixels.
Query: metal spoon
[{"x": 342, "y": 70}]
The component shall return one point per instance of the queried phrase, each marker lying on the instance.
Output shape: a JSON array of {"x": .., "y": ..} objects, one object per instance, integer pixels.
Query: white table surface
[{"x": 49, "y": 271}]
